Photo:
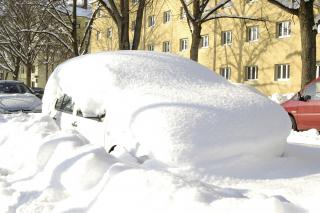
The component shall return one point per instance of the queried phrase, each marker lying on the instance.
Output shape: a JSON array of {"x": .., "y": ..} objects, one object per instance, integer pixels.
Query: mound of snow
[
  {"x": 170, "y": 108},
  {"x": 73, "y": 176}
]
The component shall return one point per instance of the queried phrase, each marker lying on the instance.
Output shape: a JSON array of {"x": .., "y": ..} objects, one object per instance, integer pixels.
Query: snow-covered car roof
[{"x": 170, "y": 107}]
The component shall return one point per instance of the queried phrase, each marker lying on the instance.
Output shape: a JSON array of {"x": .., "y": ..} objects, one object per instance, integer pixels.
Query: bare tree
[
  {"x": 120, "y": 14},
  {"x": 304, "y": 10},
  {"x": 199, "y": 12},
  {"x": 65, "y": 30},
  {"x": 18, "y": 41}
]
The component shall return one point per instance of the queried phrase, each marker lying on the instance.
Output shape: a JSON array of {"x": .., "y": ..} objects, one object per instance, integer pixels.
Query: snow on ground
[{"x": 44, "y": 169}]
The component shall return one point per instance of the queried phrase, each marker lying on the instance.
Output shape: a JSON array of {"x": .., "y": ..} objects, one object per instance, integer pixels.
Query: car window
[
  {"x": 11, "y": 88},
  {"x": 313, "y": 90},
  {"x": 99, "y": 118},
  {"x": 310, "y": 90},
  {"x": 64, "y": 104},
  {"x": 24, "y": 89}
]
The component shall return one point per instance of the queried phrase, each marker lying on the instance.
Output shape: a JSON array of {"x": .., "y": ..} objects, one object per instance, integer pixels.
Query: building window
[
  {"x": 318, "y": 70},
  {"x": 183, "y": 44},
  {"x": 183, "y": 13},
  {"x": 99, "y": 13},
  {"x": 204, "y": 42},
  {"x": 226, "y": 37},
  {"x": 284, "y": 29},
  {"x": 98, "y": 35},
  {"x": 109, "y": 32},
  {"x": 150, "y": 47},
  {"x": 166, "y": 46},
  {"x": 133, "y": 25},
  {"x": 151, "y": 21},
  {"x": 282, "y": 72},
  {"x": 166, "y": 16},
  {"x": 225, "y": 72},
  {"x": 252, "y": 33},
  {"x": 251, "y": 73}
]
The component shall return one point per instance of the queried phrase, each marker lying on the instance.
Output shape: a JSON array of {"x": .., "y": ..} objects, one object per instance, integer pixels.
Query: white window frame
[
  {"x": 109, "y": 32},
  {"x": 183, "y": 44},
  {"x": 166, "y": 46},
  {"x": 98, "y": 35},
  {"x": 166, "y": 16},
  {"x": 150, "y": 47},
  {"x": 317, "y": 70},
  {"x": 251, "y": 73},
  {"x": 204, "y": 42},
  {"x": 253, "y": 33},
  {"x": 282, "y": 72},
  {"x": 284, "y": 29},
  {"x": 151, "y": 21},
  {"x": 133, "y": 25},
  {"x": 225, "y": 72},
  {"x": 183, "y": 14},
  {"x": 226, "y": 37}
]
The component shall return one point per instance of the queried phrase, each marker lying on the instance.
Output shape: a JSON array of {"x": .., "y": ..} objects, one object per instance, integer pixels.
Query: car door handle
[{"x": 74, "y": 124}]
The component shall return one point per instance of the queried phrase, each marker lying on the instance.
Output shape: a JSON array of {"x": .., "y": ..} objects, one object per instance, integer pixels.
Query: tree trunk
[
  {"x": 74, "y": 29},
  {"x": 28, "y": 74},
  {"x": 124, "y": 43},
  {"x": 308, "y": 42},
  {"x": 196, "y": 39},
  {"x": 137, "y": 28},
  {"x": 17, "y": 69}
]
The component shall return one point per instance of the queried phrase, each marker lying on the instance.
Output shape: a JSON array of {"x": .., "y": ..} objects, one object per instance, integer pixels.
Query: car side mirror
[
  {"x": 307, "y": 98},
  {"x": 304, "y": 98}
]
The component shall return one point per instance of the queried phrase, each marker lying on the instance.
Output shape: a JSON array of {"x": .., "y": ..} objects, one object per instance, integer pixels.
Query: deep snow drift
[
  {"x": 43, "y": 169},
  {"x": 170, "y": 108}
]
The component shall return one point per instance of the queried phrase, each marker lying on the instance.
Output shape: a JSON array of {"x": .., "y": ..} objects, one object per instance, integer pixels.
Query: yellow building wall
[{"x": 265, "y": 53}]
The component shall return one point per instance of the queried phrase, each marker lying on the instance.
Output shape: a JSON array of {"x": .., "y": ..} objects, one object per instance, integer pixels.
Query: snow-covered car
[
  {"x": 15, "y": 96},
  {"x": 164, "y": 106}
]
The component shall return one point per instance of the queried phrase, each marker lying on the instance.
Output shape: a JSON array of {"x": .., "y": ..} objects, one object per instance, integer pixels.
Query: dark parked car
[
  {"x": 304, "y": 107},
  {"x": 15, "y": 96},
  {"x": 38, "y": 91}
]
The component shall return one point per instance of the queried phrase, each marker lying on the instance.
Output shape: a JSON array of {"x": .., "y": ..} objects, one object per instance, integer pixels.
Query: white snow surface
[
  {"x": 44, "y": 169},
  {"x": 170, "y": 109}
]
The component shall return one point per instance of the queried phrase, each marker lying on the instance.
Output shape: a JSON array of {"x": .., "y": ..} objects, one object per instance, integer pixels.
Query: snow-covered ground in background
[{"x": 44, "y": 169}]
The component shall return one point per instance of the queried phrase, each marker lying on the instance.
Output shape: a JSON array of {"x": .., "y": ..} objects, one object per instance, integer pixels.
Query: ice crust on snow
[{"x": 170, "y": 108}]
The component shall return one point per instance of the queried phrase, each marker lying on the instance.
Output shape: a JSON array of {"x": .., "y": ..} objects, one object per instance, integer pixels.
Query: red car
[{"x": 304, "y": 107}]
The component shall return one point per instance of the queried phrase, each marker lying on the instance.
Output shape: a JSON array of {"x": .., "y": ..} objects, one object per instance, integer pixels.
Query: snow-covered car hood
[{"x": 19, "y": 102}]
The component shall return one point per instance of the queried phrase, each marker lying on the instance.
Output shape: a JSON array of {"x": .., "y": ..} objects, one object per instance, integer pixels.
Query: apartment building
[{"x": 264, "y": 54}]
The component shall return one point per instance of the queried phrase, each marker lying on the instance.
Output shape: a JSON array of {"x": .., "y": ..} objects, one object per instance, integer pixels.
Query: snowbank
[
  {"x": 170, "y": 108},
  {"x": 280, "y": 98},
  {"x": 58, "y": 171}
]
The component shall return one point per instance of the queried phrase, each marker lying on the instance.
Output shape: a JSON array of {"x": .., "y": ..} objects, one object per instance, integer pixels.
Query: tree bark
[
  {"x": 137, "y": 28},
  {"x": 74, "y": 29},
  {"x": 195, "y": 43},
  {"x": 123, "y": 26},
  {"x": 17, "y": 69},
  {"x": 308, "y": 42},
  {"x": 28, "y": 74}
]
